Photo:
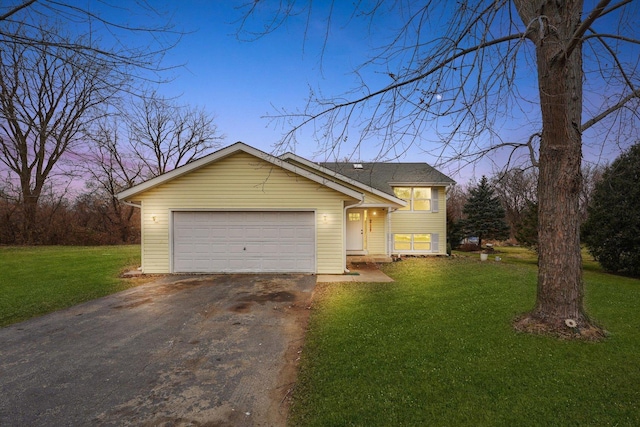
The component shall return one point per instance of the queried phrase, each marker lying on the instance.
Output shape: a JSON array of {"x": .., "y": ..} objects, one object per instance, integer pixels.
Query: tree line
[
  {"x": 510, "y": 200},
  {"x": 504, "y": 208},
  {"x": 81, "y": 119}
]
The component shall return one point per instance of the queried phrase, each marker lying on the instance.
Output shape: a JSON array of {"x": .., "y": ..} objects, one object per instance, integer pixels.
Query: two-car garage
[
  {"x": 240, "y": 210},
  {"x": 243, "y": 241}
]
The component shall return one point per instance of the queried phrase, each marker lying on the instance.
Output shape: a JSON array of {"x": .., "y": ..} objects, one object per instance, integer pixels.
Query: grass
[
  {"x": 437, "y": 348},
  {"x": 38, "y": 280}
]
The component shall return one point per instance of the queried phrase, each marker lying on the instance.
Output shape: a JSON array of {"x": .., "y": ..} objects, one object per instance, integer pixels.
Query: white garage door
[{"x": 232, "y": 242}]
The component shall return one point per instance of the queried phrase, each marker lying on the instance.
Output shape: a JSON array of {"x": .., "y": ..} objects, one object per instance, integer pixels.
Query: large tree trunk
[
  {"x": 30, "y": 198},
  {"x": 559, "y": 306}
]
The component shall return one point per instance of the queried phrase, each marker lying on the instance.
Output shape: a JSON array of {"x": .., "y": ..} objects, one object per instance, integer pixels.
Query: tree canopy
[{"x": 612, "y": 230}]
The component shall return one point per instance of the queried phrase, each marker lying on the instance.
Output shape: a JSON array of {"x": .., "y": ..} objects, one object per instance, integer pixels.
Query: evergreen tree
[
  {"x": 612, "y": 229},
  {"x": 485, "y": 214}
]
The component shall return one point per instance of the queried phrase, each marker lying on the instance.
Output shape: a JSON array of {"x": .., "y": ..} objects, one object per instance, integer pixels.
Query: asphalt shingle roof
[{"x": 381, "y": 175}]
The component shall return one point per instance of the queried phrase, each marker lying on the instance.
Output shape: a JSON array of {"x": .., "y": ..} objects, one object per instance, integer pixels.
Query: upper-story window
[{"x": 418, "y": 198}]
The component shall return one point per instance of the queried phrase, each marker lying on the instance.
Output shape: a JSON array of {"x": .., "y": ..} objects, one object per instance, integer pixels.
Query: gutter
[
  {"x": 135, "y": 205},
  {"x": 389, "y": 234}
]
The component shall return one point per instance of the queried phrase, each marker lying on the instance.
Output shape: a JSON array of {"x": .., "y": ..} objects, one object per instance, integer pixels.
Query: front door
[{"x": 355, "y": 223}]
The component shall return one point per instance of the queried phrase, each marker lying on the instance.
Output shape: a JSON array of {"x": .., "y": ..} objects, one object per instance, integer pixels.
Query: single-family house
[{"x": 243, "y": 210}]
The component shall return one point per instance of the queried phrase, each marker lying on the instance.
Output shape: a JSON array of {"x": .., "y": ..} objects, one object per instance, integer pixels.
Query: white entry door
[
  {"x": 355, "y": 229},
  {"x": 233, "y": 242}
]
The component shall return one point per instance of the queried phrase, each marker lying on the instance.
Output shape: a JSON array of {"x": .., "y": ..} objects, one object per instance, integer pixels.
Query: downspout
[
  {"x": 344, "y": 230},
  {"x": 389, "y": 235}
]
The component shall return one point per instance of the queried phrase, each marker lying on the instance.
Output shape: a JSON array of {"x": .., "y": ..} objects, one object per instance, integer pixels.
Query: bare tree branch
[
  {"x": 585, "y": 25},
  {"x": 616, "y": 107},
  {"x": 16, "y": 9},
  {"x": 165, "y": 135}
]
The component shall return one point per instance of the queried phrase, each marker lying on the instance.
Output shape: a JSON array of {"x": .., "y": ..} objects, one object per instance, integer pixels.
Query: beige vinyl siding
[
  {"x": 370, "y": 198},
  {"x": 241, "y": 182},
  {"x": 404, "y": 222},
  {"x": 376, "y": 232}
]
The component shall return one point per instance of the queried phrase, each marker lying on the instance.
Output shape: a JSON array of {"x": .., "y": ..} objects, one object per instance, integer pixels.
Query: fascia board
[{"x": 421, "y": 184}]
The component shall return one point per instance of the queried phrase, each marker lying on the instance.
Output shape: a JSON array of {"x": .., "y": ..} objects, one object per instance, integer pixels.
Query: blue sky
[{"x": 241, "y": 81}]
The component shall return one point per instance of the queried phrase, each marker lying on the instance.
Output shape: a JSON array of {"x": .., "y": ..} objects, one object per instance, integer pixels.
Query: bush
[{"x": 469, "y": 247}]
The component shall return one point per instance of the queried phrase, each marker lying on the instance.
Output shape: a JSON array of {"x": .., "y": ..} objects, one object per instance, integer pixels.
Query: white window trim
[
  {"x": 410, "y": 201},
  {"x": 411, "y": 251}
]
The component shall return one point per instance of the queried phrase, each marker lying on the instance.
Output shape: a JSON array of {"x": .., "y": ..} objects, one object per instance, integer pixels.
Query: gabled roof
[
  {"x": 343, "y": 178},
  {"x": 385, "y": 176},
  {"x": 130, "y": 193}
]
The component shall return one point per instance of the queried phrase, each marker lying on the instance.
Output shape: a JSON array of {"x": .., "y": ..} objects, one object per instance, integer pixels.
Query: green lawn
[
  {"x": 436, "y": 348},
  {"x": 38, "y": 280}
]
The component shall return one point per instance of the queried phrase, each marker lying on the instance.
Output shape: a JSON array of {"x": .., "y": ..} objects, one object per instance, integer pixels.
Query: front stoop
[{"x": 368, "y": 259}]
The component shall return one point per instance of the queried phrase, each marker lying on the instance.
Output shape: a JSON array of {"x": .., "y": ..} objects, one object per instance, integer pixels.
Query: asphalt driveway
[{"x": 183, "y": 350}]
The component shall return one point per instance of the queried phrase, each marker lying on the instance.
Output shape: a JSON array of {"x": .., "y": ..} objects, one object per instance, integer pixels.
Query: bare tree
[
  {"x": 153, "y": 137},
  {"x": 8, "y": 213},
  {"x": 47, "y": 97},
  {"x": 516, "y": 189},
  {"x": 111, "y": 168},
  {"x": 456, "y": 199},
  {"x": 467, "y": 79},
  {"x": 135, "y": 50},
  {"x": 165, "y": 135},
  {"x": 591, "y": 176}
]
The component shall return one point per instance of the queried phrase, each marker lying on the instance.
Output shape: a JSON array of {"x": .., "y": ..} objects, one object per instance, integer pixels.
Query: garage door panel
[
  {"x": 271, "y": 264},
  {"x": 244, "y": 242},
  {"x": 271, "y": 248},
  {"x": 289, "y": 233},
  {"x": 232, "y": 232},
  {"x": 300, "y": 247},
  {"x": 306, "y": 233},
  {"x": 268, "y": 233},
  {"x": 288, "y": 249},
  {"x": 214, "y": 265}
]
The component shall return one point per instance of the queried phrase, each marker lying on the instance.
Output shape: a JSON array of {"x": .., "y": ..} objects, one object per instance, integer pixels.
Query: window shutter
[
  {"x": 435, "y": 248},
  {"x": 434, "y": 199}
]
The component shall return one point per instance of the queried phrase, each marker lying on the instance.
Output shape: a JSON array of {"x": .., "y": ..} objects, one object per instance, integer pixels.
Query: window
[
  {"x": 402, "y": 242},
  {"x": 412, "y": 242},
  {"x": 354, "y": 216},
  {"x": 421, "y": 199},
  {"x": 418, "y": 198},
  {"x": 422, "y": 242},
  {"x": 403, "y": 193}
]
